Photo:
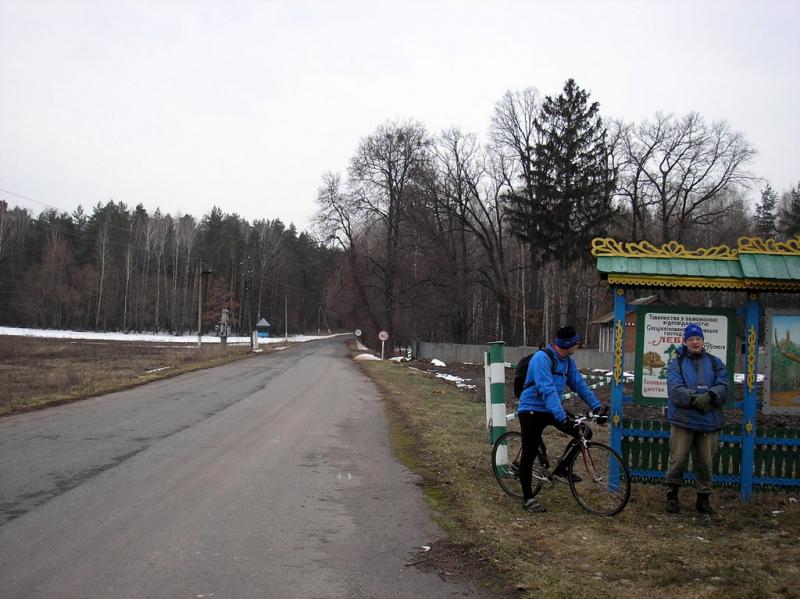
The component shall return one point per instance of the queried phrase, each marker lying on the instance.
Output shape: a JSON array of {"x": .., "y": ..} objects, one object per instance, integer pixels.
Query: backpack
[{"x": 521, "y": 371}]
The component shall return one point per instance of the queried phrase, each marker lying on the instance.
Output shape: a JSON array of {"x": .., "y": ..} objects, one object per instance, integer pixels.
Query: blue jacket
[
  {"x": 544, "y": 392},
  {"x": 683, "y": 381}
]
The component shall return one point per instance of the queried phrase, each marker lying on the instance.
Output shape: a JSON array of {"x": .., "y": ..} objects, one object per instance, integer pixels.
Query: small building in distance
[
  {"x": 262, "y": 328},
  {"x": 606, "y": 324}
]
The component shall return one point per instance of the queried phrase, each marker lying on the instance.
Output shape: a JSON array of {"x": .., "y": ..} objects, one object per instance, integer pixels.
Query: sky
[{"x": 184, "y": 105}]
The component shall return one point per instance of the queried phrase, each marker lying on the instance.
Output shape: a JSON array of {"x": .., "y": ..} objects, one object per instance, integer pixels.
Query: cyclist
[{"x": 540, "y": 404}]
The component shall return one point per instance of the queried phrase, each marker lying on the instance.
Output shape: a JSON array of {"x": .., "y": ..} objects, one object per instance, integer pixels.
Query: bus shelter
[{"x": 751, "y": 456}]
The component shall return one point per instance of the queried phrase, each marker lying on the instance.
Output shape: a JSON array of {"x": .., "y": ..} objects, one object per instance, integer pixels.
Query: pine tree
[
  {"x": 765, "y": 214},
  {"x": 572, "y": 183},
  {"x": 790, "y": 214}
]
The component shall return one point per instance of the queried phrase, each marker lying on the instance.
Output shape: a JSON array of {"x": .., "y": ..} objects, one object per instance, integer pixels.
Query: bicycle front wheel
[
  {"x": 603, "y": 483},
  {"x": 506, "y": 456}
]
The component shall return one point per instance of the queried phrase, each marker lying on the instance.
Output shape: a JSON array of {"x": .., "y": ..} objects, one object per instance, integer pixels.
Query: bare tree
[
  {"x": 633, "y": 184},
  {"x": 470, "y": 188},
  {"x": 6, "y": 230},
  {"x": 161, "y": 230},
  {"x": 102, "y": 252},
  {"x": 336, "y": 224},
  {"x": 186, "y": 236},
  {"x": 383, "y": 174},
  {"x": 270, "y": 246},
  {"x": 515, "y": 135},
  {"x": 678, "y": 166}
]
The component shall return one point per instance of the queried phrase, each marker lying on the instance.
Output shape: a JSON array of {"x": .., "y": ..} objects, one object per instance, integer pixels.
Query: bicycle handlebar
[{"x": 591, "y": 417}]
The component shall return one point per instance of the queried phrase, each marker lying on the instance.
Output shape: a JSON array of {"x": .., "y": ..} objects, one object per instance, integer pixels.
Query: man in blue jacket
[
  {"x": 540, "y": 404},
  {"x": 697, "y": 386}
]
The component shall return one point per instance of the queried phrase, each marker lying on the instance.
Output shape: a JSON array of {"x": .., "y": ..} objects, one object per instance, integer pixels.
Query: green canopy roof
[{"x": 754, "y": 265}]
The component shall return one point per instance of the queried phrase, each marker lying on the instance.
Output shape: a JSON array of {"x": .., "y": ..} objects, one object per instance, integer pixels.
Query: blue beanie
[
  {"x": 692, "y": 330},
  {"x": 567, "y": 337}
]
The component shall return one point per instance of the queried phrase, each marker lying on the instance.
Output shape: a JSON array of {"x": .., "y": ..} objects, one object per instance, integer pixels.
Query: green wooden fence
[{"x": 645, "y": 448}]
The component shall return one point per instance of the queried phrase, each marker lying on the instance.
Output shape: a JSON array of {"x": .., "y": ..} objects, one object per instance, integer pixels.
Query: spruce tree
[
  {"x": 765, "y": 225},
  {"x": 573, "y": 181}
]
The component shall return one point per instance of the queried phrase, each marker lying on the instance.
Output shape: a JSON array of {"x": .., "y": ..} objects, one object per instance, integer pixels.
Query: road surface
[{"x": 267, "y": 477}]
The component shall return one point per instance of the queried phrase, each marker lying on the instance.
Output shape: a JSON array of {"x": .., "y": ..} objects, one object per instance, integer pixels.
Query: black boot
[
  {"x": 673, "y": 507},
  {"x": 703, "y": 506}
]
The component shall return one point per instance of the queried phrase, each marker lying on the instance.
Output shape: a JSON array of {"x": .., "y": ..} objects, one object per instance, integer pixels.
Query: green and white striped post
[
  {"x": 487, "y": 387},
  {"x": 497, "y": 385}
]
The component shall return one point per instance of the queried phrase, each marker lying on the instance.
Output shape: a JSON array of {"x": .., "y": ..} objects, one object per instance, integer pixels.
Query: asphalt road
[{"x": 267, "y": 477}]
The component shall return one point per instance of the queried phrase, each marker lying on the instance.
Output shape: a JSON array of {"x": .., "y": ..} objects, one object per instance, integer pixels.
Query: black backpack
[{"x": 521, "y": 371}]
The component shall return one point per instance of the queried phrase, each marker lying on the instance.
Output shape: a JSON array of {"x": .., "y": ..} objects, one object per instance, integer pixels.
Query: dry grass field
[{"x": 36, "y": 372}]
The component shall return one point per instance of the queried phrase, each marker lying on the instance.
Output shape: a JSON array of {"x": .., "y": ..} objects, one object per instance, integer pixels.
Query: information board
[{"x": 659, "y": 333}]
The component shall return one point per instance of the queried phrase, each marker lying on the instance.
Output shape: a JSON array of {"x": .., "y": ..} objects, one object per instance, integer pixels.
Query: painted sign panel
[
  {"x": 782, "y": 344},
  {"x": 659, "y": 333}
]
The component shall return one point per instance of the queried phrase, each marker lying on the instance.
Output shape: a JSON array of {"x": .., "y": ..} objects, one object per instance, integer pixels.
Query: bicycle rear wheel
[
  {"x": 506, "y": 455},
  {"x": 603, "y": 484}
]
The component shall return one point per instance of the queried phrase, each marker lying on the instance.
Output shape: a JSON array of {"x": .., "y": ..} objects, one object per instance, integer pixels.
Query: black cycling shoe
[{"x": 531, "y": 505}]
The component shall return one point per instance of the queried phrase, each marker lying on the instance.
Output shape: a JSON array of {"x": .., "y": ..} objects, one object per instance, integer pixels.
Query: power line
[{"x": 19, "y": 195}]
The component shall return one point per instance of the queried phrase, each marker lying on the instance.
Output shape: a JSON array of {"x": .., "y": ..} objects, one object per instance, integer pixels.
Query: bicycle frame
[
  {"x": 598, "y": 478},
  {"x": 578, "y": 444},
  {"x": 614, "y": 472}
]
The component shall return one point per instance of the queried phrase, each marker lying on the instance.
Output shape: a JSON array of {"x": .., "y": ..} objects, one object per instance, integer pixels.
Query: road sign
[
  {"x": 383, "y": 335},
  {"x": 358, "y": 332}
]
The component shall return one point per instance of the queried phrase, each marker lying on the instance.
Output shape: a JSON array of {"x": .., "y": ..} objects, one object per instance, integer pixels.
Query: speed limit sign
[{"x": 383, "y": 335}]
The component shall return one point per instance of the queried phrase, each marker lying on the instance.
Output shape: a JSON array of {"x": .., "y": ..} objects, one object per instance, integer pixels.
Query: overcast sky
[{"x": 184, "y": 105}]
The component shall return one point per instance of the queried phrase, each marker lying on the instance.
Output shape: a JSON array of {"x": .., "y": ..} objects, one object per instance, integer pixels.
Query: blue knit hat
[
  {"x": 567, "y": 337},
  {"x": 692, "y": 330}
]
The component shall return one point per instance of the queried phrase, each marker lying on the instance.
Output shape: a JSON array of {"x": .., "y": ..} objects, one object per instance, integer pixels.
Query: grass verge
[{"x": 748, "y": 550}]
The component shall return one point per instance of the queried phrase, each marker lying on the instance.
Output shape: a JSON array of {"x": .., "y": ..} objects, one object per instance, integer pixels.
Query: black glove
[
  {"x": 570, "y": 421},
  {"x": 602, "y": 414},
  {"x": 702, "y": 402}
]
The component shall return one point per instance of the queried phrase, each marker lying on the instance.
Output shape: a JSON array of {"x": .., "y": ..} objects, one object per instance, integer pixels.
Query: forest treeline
[
  {"x": 127, "y": 270},
  {"x": 449, "y": 237}
]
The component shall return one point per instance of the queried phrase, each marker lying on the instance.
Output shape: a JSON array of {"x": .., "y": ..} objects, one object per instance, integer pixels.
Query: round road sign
[
  {"x": 383, "y": 335},
  {"x": 358, "y": 332}
]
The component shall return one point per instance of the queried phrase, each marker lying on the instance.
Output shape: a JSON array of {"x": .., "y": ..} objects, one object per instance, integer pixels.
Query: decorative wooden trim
[
  {"x": 710, "y": 283},
  {"x": 618, "y": 353},
  {"x": 756, "y": 245},
  {"x": 751, "y": 358},
  {"x": 607, "y": 246}
]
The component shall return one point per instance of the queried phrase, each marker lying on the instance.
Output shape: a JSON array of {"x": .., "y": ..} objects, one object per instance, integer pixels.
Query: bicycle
[{"x": 603, "y": 482}]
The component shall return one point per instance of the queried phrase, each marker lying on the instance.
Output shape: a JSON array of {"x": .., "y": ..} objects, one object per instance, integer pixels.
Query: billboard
[
  {"x": 782, "y": 345},
  {"x": 659, "y": 333}
]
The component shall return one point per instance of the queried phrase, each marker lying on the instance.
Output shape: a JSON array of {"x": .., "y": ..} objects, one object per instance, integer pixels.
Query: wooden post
[
  {"x": 753, "y": 314},
  {"x": 617, "y": 368}
]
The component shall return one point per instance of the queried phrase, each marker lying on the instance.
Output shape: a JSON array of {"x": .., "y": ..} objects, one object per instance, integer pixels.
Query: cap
[
  {"x": 692, "y": 330},
  {"x": 567, "y": 337}
]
